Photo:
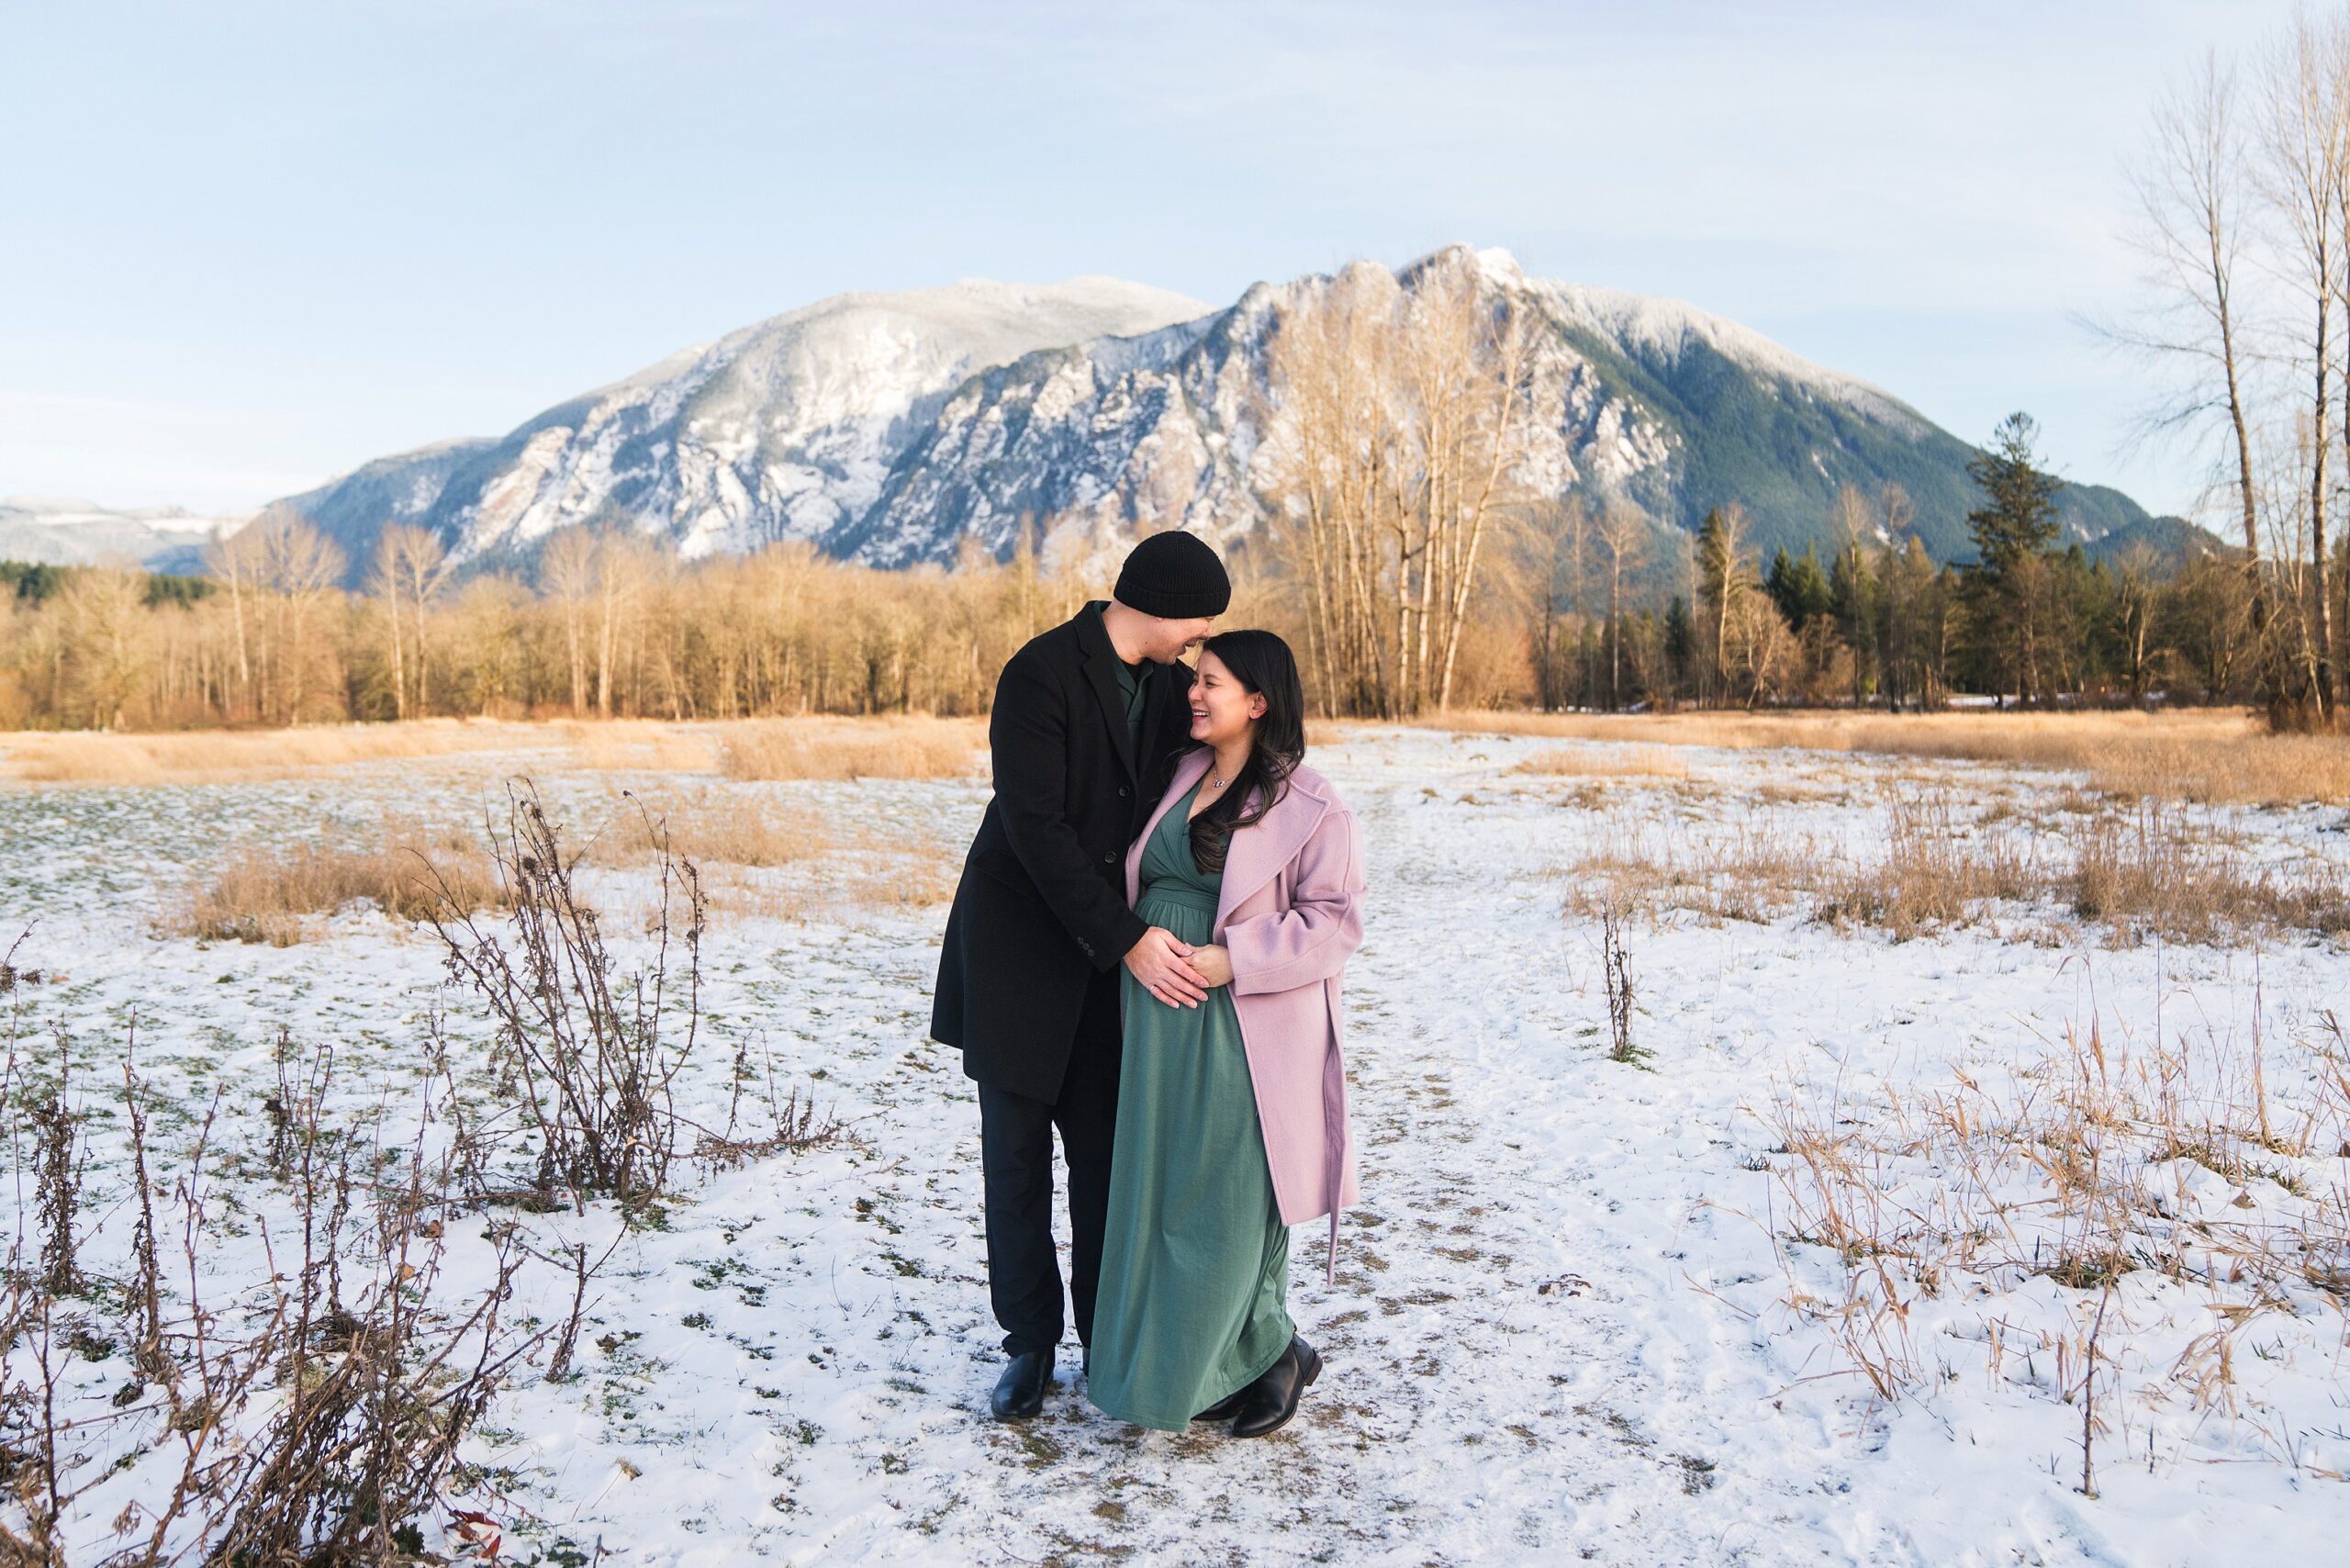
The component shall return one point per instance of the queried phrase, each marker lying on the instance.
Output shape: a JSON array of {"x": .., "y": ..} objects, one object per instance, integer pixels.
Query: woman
[{"x": 1232, "y": 1121}]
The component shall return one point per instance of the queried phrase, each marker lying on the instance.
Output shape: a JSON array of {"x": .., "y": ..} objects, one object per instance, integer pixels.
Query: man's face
[{"x": 1173, "y": 639}]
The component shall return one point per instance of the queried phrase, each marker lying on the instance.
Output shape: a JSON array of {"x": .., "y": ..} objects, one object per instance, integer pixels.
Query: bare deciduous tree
[
  {"x": 1396, "y": 430},
  {"x": 567, "y": 571},
  {"x": 413, "y": 564},
  {"x": 2192, "y": 233},
  {"x": 2303, "y": 174},
  {"x": 1624, "y": 530},
  {"x": 623, "y": 566},
  {"x": 1725, "y": 580}
]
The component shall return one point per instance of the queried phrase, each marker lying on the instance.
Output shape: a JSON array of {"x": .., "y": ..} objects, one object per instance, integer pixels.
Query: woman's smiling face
[{"x": 1222, "y": 709}]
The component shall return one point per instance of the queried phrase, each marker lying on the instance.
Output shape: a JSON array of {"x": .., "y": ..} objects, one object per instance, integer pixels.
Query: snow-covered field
[{"x": 1572, "y": 1319}]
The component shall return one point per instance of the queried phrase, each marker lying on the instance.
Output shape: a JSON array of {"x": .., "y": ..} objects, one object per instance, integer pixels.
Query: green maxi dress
[{"x": 1193, "y": 1301}]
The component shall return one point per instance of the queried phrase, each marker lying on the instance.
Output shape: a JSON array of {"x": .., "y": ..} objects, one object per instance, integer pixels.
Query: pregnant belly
[{"x": 1189, "y": 913}]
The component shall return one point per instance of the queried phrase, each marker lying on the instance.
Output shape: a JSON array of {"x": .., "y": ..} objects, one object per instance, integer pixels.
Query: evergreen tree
[
  {"x": 31, "y": 581},
  {"x": 1852, "y": 591},
  {"x": 2012, "y": 531},
  {"x": 1799, "y": 587},
  {"x": 1680, "y": 640}
]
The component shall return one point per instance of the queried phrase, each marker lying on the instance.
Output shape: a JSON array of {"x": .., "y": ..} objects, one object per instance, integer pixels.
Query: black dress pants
[{"x": 1016, "y": 1161}]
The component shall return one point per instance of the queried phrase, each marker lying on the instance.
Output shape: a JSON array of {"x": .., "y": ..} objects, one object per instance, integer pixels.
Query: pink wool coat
[{"x": 1291, "y": 913}]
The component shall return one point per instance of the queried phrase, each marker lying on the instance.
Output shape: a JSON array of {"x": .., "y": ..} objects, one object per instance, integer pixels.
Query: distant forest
[{"x": 612, "y": 627}]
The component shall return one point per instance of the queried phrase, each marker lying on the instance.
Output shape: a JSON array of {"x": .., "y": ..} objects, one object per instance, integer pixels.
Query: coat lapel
[
  {"x": 1101, "y": 670},
  {"x": 1188, "y": 769},
  {"x": 1257, "y": 853}
]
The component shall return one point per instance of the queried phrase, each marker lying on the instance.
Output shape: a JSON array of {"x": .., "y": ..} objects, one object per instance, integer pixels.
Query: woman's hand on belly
[
  {"x": 1162, "y": 963},
  {"x": 1214, "y": 963}
]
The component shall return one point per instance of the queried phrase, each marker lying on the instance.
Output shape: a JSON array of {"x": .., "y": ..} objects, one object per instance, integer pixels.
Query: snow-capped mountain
[
  {"x": 901, "y": 428},
  {"x": 66, "y": 530},
  {"x": 1652, "y": 398},
  {"x": 784, "y": 430}
]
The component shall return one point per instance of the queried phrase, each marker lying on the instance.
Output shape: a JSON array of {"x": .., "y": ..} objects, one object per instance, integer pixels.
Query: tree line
[
  {"x": 1557, "y": 616},
  {"x": 1879, "y": 623},
  {"x": 614, "y": 627}
]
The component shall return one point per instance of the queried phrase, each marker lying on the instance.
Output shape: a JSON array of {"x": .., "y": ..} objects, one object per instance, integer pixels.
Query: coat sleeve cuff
[{"x": 1121, "y": 942}]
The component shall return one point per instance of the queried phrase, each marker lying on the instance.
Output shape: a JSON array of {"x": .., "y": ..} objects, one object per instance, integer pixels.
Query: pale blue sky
[{"x": 245, "y": 247}]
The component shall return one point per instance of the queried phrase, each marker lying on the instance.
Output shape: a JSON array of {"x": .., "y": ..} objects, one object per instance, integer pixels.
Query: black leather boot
[
  {"x": 1267, "y": 1404},
  {"x": 1019, "y": 1392},
  {"x": 1225, "y": 1408}
]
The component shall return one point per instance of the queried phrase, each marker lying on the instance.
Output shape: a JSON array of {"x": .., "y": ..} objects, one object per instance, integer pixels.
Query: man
[{"x": 1087, "y": 720}]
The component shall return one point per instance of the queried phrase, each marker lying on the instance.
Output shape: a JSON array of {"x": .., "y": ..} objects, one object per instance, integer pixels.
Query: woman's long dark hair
[{"x": 1265, "y": 667}]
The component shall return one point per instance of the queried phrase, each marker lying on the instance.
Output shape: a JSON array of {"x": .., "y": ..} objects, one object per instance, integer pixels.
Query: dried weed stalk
[
  {"x": 310, "y": 1416},
  {"x": 595, "y": 1051}
]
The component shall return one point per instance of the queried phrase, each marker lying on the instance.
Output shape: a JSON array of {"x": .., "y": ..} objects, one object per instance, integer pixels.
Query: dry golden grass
[
  {"x": 643, "y": 745},
  {"x": 2157, "y": 872},
  {"x": 714, "y": 827},
  {"x": 1745, "y": 873},
  {"x": 2205, "y": 755},
  {"x": 1933, "y": 875},
  {"x": 210, "y": 756},
  {"x": 2081, "y": 1167},
  {"x": 2151, "y": 872},
  {"x": 893, "y": 748},
  {"x": 1633, "y": 762},
  {"x": 853, "y": 748},
  {"x": 784, "y": 864},
  {"x": 268, "y": 895},
  {"x": 764, "y": 854}
]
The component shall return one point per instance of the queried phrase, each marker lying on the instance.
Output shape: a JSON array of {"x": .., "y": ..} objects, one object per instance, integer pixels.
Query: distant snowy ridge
[
  {"x": 66, "y": 530},
  {"x": 898, "y": 429}
]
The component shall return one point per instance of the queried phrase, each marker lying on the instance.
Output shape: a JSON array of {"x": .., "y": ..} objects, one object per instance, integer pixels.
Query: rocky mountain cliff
[{"x": 899, "y": 429}]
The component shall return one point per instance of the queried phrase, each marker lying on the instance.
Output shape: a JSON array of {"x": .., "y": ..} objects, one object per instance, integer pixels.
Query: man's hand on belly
[{"x": 1162, "y": 963}]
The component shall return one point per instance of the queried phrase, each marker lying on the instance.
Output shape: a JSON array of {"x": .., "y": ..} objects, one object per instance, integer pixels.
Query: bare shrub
[
  {"x": 596, "y": 1049},
  {"x": 11, "y": 975},
  {"x": 267, "y": 895},
  {"x": 58, "y": 1166},
  {"x": 379, "y": 1385},
  {"x": 795, "y": 1126},
  {"x": 873, "y": 748},
  {"x": 1616, "y": 969}
]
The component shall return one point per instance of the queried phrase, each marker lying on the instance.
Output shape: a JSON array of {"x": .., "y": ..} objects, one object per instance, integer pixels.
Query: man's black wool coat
[{"x": 1041, "y": 904}]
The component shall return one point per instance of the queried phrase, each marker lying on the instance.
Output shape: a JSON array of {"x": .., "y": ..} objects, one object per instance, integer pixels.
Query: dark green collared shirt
[{"x": 1130, "y": 686}]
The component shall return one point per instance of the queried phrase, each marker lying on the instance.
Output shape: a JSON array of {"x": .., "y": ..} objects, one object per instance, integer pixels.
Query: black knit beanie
[{"x": 1174, "y": 576}]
